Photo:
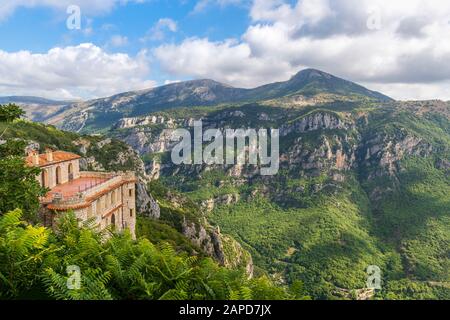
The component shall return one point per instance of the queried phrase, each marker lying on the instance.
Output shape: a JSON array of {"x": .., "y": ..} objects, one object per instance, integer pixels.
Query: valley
[{"x": 363, "y": 180}]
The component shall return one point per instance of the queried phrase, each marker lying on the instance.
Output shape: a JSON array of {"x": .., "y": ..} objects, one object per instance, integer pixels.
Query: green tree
[
  {"x": 19, "y": 188},
  {"x": 10, "y": 112},
  {"x": 12, "y": 148}
]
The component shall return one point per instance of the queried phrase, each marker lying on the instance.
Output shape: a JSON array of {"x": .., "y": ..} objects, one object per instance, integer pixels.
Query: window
[
  {"x": 130, "y": 192},
  {"x": 44, "y": 178},
  {"x": 70, "y": 172},
  {"x": 58, "y": 175},
  {"x": 131, "y": 212}
]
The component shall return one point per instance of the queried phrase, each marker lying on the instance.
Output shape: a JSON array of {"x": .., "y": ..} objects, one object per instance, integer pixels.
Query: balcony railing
[{"x": 92, "y": 188}]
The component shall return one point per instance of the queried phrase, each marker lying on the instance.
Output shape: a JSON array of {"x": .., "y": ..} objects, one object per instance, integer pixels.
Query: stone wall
[{"x": 59, "y": 173}]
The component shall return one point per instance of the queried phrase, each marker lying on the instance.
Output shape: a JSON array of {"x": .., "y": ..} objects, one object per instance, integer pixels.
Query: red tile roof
[{"x": 58, "y": 157}]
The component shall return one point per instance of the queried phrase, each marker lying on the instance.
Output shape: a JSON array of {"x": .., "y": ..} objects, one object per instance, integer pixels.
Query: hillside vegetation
[
  {"x": 360, "y": 184},
  {"x": 163, "y": 264}
]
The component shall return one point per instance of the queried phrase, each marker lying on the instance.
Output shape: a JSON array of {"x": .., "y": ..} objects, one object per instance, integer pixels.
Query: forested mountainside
[
  {"x": 178, "y": 255},
  {"x": 363, "y": 181}
]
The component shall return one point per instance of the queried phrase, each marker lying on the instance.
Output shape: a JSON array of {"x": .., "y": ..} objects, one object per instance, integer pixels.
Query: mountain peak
[
  {"x": 311, "y": 73},
  {"x": 312, "y": 81}
]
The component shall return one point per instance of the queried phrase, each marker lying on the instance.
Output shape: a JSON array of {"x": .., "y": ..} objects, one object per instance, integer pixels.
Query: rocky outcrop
[
  {"x": 146, "y": 203},
  {"x": 224, "y": 249},
  {"x": 206, "y": 238},
  {"x": 385, "y": 153},
  {"x": 314, "y": 122},
  {"x": 236, "y": 257},
  {"x": 148, "y": 141},
  {"x": 90, "y": 164},
  {"x": 333, "y": 155},
  {"x": 224, "y": 200},
  {"x": 229, "y": 114}
]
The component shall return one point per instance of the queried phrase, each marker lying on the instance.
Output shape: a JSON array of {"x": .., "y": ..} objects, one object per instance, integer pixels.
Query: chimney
[
  {"x": 34, "y": 157},
  {"x": 49, "y": 155}
]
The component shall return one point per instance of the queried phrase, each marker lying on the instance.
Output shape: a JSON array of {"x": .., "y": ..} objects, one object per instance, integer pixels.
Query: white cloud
[
  {"x": 171, "y": 82},
  {"x": 407, "y": 52},
  {"x": 157, "y": 32},
  {"x": 202, "y": 5},
  {"x": 118, "y": 41},
  {"x": 72, "y": 72},
  {"x": 7, "y": 7}
]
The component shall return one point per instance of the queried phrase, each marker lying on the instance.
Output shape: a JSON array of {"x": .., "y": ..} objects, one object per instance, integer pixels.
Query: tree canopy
[{"x": 10, "y": 112}]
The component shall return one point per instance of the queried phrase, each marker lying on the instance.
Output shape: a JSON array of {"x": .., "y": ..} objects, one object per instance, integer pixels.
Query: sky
[{"x": 83, "y": 49}]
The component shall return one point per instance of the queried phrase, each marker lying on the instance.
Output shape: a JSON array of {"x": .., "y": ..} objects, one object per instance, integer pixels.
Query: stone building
[{"x": 107, "y": 197}]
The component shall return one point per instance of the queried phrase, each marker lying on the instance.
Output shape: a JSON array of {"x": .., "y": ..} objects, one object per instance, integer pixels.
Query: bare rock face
[
  {"x": 90, "y": 164},
  {"x": 145, "y": 141},
  {"x": 208, "y": 205},
  {"x": 236, "y": 256},
  {"x": 208, "y": 240},
  {"x": 154, "y": 170},
  {"x": 386, "y": 152},
  {"x": 224, "y": 249},
  {"x": 224, "y": 200},
  {"x": 125, "y": 123},
  {"x": 146, "y": 203},
  {"x": 314, "y": 122},
  {"x": 334, "y": 155}
]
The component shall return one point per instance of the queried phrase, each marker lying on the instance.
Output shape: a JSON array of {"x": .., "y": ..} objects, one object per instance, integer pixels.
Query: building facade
[{"x": 107, "y": 198}]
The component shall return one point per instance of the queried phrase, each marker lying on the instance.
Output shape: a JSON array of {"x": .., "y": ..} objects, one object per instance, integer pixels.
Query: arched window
[
  {"x": 113, "y": 221},
  {"x": 44, "y": 178},
  {"x": 58, "y": 175},
  {"x": 70, "y": 171}
]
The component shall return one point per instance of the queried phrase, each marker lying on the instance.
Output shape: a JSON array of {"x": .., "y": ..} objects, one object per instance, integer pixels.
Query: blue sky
[
  {"x": 394, "y": 47},
  {"x": 40, "y": 29}
]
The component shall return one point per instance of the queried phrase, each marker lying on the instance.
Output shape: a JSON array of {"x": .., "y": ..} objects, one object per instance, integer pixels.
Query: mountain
[
  {"x": 31, "y": 100},
  {"x": 101, "y": 114},
  {"x": 364, "y": 181},
  {"x": 36, "y": 108},
  {"x": 311, "y": 82},
  {"x": 361, "y": 183}
]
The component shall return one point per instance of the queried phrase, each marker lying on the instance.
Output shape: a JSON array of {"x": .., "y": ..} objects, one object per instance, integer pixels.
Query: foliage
[
  {"x": 19, "y": 188},
  {"x": 23, "y": 250},
  {"x": 10, "y": 112},
  {"x": 113, "y": 266},
  {"x": 303, "y": 224}
]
